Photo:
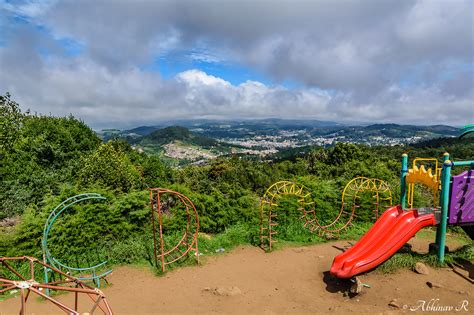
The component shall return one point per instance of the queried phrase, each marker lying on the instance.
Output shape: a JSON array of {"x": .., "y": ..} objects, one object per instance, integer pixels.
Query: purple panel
[{"x": 461, "y": 207}]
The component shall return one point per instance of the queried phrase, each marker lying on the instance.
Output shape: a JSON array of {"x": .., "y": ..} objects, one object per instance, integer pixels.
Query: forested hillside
[{"x": 47, "y": 159}]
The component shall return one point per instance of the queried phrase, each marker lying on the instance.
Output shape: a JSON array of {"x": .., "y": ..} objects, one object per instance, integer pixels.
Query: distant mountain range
[
  {"x": 257, "y": 124},
  {"x": 192, "y": 140},
  {"x": 229, "y": 129},
  {"x": 391, "y": 130}
]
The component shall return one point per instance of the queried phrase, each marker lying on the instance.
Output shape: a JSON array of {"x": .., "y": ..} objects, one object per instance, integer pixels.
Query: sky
[{"x": 119, "y": 64}]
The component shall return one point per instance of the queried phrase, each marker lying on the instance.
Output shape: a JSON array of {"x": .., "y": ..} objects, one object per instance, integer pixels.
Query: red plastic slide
[{"x": 391, "y": 231}]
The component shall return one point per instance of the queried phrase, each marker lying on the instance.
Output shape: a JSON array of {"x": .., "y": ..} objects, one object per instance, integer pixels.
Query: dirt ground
[{"x": 291, "y": 280}]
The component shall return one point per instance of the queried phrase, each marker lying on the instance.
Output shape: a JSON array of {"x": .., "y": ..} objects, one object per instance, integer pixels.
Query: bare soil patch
[{"x": 291, "y": 280}]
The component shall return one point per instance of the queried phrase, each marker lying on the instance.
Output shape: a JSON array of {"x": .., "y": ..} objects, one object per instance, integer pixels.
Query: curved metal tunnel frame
[
  {"x": 269, "y": 200},
  {"x": 382, "y": 193},
  {"x": 90, "y": 273},
  {"x": 189, "y": 240},
  {"x": 26, "y": 283},
  {"x": 307, "y": 207}
]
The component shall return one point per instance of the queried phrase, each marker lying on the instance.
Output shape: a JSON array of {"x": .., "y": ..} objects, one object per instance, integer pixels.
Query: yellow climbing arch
[
  {"x": 270, "y": 200},
  {"x": 350, "y": 202}
]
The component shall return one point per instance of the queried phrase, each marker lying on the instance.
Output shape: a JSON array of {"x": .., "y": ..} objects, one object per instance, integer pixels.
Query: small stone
[
  {"x": 421, "y": 268},
  {"x": 393, "y": 303},
  {"x": 206, "y": 289},
  {"x": 434, "y": 284},
  {"x": 356, "y": 288}
]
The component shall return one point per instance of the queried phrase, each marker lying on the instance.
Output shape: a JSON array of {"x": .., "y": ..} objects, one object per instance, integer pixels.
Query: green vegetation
[
  {"x": 409, "y": 260},
  {"x": 170, "y": 134},
  {"x": 48, "y": 159}
]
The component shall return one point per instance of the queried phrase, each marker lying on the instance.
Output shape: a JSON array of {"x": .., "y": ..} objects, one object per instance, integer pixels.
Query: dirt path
[{"x": 292, "y": 280}]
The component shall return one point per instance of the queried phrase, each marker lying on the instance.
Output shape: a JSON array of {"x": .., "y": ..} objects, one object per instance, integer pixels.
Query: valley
[{"x": 195, "y": 141}]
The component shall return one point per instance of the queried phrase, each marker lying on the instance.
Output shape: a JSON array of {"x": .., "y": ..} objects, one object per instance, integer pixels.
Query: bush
[{"x": 109, "y": 167}]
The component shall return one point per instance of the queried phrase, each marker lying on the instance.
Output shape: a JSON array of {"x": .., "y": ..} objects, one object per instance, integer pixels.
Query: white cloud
[{"x": 368, "y": 60}]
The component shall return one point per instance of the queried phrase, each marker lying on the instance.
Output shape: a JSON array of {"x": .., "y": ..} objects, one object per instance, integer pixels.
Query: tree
[
  {"x": 344, "y": 152},
  {"x": 10, "y": 122},
  {"x": 109, "y": 167}
]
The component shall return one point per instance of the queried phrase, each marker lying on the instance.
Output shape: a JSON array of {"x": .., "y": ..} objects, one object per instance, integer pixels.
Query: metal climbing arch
[
  {"x": 161, "y": 201},
  {"x": 268, "y": 217},
  {"x": 87, "y": 273},
  {"x": 351, "y": 201}
]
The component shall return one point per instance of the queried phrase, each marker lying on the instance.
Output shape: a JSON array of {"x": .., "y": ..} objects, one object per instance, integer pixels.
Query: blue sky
[
  {"x": 123, "y": 62},
  {"x": 169, "y": 65}
]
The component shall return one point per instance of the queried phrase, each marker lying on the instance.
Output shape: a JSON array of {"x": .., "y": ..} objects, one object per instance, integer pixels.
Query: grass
[{"x": 408, "y": 260}]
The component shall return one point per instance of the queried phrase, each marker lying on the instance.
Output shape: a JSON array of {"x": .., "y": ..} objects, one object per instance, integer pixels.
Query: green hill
[{"x": 178, "y": 133}]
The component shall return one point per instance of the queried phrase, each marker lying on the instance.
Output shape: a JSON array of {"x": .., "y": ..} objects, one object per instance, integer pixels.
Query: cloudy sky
[{"x": 125, "y": 63}]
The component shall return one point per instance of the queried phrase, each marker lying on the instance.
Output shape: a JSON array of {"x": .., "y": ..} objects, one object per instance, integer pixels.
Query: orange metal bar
[
  {"x": 191, "y": 229},
  {"x": 31, "y": 285}
]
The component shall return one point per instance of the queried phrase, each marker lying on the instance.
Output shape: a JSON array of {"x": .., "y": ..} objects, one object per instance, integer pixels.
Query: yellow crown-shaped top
[{"x": 423, "y": 176}]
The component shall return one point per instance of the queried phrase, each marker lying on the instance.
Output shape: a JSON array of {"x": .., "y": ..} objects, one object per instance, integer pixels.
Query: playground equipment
[
  {"x": 419, "y": 174},
  {"x": 466, "y": 130},
  {"x": 19, "y": 273},
  {"x": 161, "y": 200},
  {"x": 350, "y": 202},
  {"x": 270, "y": 200},
  {"x": 86, "y": 273},
  {"x": 397, "y": 225},
  {"x": 382, "y": 195}
]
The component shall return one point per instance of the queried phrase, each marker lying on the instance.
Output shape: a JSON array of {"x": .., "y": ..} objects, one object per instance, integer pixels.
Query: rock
[
  {"x": 434, "y": 284},
  {"x": 421, "y": 268},
  {"x": 226, "y": 291},
  {"x": 393, "y": 303},
  {"x": 9, "y": 222},
  {"x": 356, "y": 288}
]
